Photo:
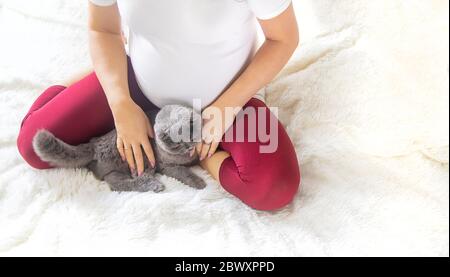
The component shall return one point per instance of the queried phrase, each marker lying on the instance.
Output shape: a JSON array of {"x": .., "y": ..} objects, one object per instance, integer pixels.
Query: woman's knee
[
  {"x": 269, "y": 187},
  {"x": 276, "y": 192},
  {"x": 28, "y": 128},
  {"x": 26, "y": 150}
]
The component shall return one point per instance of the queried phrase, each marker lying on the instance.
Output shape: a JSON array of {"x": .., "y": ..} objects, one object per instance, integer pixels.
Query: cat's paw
[
  {"x": 200, "y": 185},
  {"x": 158, "y": 187},
  {"x": 152, "y": 186},
  {"x": 195, "y": 182}
]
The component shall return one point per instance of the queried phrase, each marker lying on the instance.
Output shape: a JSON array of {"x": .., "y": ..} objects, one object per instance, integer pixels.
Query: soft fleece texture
[{"x": 365, "y": 100}]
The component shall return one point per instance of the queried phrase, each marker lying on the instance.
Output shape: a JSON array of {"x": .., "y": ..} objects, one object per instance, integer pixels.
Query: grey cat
[{"x": 100, "y": 155}]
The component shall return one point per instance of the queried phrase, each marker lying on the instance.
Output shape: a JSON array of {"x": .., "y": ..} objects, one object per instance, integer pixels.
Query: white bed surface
[{"x": 364, "y": 99}]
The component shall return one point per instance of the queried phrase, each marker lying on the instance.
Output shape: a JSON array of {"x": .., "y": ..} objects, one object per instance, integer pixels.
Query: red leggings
[{"x": 80, "y": 112}]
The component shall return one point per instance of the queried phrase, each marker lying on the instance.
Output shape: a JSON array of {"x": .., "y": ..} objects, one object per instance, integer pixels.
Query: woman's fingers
[
  {"x": 213, "y": 149},
  {"x": 198, "y": 148},
  {"x": 119, "y": 144},
  {"x": 149, "y": 153},
  {"x": 205, "y": 151},
  {"x": 129, "y": 157},
  {"x": 134, "y": 156},
  {"x": 137, "y": 151}
]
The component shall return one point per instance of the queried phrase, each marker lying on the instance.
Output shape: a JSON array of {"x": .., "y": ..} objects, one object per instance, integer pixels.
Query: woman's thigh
[
  {"x": 262, "y": 169},
  {"x": 74, "y": 114}
]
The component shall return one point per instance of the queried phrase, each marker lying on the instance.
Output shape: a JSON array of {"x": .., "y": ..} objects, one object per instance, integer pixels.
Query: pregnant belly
[{"x": 181, "y": 74}]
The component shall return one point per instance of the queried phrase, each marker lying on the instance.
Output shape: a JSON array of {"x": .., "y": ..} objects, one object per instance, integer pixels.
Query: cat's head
[{"x": 177, "y": 129}]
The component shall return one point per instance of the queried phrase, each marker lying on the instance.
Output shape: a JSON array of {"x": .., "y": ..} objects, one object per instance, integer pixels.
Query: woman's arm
[
  {"x": 108, "y": 52},
  {"x": 110, "y": 64},
  {"x": 282, "y": 39}
]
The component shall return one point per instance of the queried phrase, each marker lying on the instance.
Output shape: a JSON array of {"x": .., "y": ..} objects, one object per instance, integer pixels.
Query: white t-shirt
[{"x": 191, "y": 49}]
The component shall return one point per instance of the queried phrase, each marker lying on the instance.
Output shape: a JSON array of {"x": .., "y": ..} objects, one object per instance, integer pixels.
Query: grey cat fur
[{"x": 100, "y": 155}]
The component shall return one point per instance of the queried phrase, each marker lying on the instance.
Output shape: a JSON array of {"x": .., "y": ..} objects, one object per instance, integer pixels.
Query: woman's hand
[
  {"x": 110, "y": 64},
  {"x": 217, "y": 118},
  {"x": 133, "y": 132}
]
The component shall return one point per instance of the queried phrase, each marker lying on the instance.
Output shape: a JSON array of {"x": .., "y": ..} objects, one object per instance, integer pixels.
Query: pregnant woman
[{"x": 179, "y": 51}]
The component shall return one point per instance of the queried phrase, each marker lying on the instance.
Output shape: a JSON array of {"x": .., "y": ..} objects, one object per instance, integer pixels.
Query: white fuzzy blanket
[{"x": 365, "y": 100}]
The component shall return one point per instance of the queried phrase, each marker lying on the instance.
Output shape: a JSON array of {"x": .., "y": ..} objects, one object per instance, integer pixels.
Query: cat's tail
[{"x": 60, "y": 154}]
